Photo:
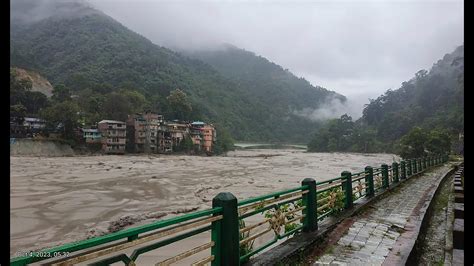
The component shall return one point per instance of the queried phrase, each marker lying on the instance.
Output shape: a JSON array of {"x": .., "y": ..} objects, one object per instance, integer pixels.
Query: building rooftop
[
  {"x": 91, "y": 130},
  {"x": 111, "y": 122},
  {"x": 33, "y": 119}
]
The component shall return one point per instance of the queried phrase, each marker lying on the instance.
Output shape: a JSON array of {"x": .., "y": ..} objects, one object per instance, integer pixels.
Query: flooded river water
[{"x": 56, "y": 200}]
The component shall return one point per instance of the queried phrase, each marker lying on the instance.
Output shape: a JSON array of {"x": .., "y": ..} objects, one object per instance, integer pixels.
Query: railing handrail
[
  {"x": 271, "y": 195},
  {"x": 329, "y": 181},
  {"x": 99, "y": 240}
]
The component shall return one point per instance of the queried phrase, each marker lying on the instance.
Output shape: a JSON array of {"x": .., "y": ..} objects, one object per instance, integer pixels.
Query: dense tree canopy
[
  {"x": 23, "y": 101},
  {"x": 425, "y": 115},
  {"x": 421, "y": 142},
  {"x": 180, "y": 107},
  {"x": 93, "y": 52}
]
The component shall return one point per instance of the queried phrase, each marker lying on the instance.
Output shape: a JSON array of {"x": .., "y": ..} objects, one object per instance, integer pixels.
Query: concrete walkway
[{"x": 385, "y": 233}]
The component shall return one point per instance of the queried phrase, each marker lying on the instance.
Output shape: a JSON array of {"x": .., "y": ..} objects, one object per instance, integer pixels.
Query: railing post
[
  {"x": 409, "y": 170},
  {"x": 347, "y": 176},
  {"x": 424, "y": 163},
  {"x": 403, "y": 170},
  {"x": 369, "y": 181},
  {"x": 385, "y": 182},
  {"x": 310, "y": 221},
  {"x": 225, "y": 232},
  {"x": 415, "y": 170},
  {"x": 395, "y": 172},
  {"x": 420, "y": 165}
]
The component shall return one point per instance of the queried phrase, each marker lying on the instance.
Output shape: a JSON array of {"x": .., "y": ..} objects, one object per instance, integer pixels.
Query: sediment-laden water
[{"x": 56, "y": 200}]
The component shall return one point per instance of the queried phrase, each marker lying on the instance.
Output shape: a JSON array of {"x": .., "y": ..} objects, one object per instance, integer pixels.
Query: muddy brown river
[{"x": 57, "y": 200}]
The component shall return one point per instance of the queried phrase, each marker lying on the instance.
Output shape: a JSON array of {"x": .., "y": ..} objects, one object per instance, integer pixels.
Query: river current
[{"x": 57, "y": 200}]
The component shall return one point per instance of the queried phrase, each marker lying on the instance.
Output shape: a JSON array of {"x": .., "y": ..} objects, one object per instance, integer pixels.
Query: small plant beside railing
[
  {"x": 233, "y": 240},
  {"x": 247, "y": 247},
  {"x": 330, "y": 201}
]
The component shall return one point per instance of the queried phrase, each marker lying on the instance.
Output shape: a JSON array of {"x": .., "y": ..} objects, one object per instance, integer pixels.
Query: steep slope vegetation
[
  {"x": 278, "y": 92},
  {"x": 87, "y": 49},
  {"x": 432, "y": 99},
  {"x": 264, "y": 80},
  {"x": 431, "y": 104}
]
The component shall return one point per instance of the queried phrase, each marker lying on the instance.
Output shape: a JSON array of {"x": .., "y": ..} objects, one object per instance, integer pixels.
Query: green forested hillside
[
  {"x": 94, "y": 55},
  {"x": 262, "y": 79},
  {"x": 278, "y": 92},
  {"x": 432, "y": 99},
  {"x": 432, "y": 102}
]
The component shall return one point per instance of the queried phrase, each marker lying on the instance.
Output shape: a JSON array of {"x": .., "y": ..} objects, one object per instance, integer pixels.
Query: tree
[
  {"x": 116, "y": 107},
  {"x": 224, "y": 141},
  {"x": 65, "y": 113},
  {"x": 18, "y": 88},
  {"x": 421, "y": 74},
  {"x": 61, "y": 93},
  {"x": 179, "y": 104},
  {"x": 186, "y": 145},
  {"x": 413, "y": 143},
  {"x": 438, "y": 142},
  {"x": 18, "y": 111},
  {"x": 21, "y": 94},
  {"x": 35, "y": 101},
  {"x": 91, "y": 103},
  {"x": 137, "y": 101}
]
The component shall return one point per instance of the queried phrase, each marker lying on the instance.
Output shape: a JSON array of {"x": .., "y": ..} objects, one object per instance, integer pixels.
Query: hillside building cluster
[
  {"x": 150, "y": 133},
  {"x": 141, "y": 133}
]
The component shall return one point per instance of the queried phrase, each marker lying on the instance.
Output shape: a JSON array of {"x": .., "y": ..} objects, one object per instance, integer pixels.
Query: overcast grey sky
[{"x": 357, "y": 48}]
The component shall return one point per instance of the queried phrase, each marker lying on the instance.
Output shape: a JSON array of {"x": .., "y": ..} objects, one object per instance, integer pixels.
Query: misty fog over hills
[
  {"x": 255, "y": 99},
  {"x": 90, "y": 49}
]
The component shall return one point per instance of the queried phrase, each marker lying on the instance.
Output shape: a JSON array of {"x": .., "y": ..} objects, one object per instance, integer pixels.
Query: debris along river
[{"x": 57, "y": 200}]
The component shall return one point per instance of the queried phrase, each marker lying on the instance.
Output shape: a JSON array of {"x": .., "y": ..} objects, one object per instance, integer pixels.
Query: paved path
[{"x": 378, "y": 235}]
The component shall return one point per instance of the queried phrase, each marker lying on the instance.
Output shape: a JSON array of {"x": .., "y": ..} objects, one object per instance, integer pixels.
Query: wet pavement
[{"x": 379, "y": 235}]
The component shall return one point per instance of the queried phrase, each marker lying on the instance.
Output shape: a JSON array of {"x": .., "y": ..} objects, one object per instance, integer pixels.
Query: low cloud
[
  {"x": 334, "y": 108},
  {"x": 32, "y": 11}
]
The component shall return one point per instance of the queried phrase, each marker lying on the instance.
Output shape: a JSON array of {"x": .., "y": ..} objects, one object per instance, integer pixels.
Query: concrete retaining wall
[{"x": 29, "y": 147}]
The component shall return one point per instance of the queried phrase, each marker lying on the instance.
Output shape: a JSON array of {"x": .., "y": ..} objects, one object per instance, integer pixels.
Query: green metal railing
[{"x": 232, "y": 239}]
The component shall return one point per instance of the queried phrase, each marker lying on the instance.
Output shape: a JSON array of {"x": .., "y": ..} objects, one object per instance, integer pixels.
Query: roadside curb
[{"x": 409, "y": 247}]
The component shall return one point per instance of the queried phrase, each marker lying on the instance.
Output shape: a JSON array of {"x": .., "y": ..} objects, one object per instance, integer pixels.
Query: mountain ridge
[{"x": 88, "y": 50}]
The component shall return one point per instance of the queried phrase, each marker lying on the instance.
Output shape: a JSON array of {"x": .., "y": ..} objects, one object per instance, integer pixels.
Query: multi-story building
[
  {"x": 142, "y": 132},
  {"x": 176, "y": 131},
  {"x": 113, "y": 136},
  {"x": 165, "y": 144},
  {"x": 196, "y": 134},
  {"x": 203, "y": 136},
  {"x": 209, "y": 137},
  {"x": 91, "y": 135}
]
